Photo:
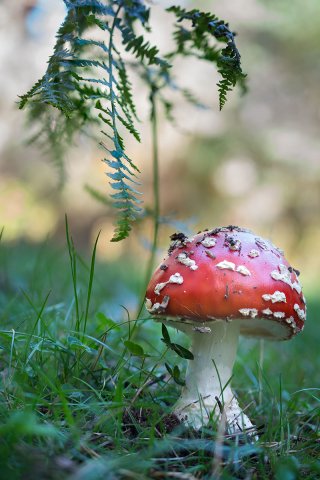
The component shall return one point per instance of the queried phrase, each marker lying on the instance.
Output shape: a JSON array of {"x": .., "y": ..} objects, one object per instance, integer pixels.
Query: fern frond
[
  {"x": 87, "y": 82},
  {"x": 126, "y": 88},
  {"x": 83, "y": 42},
  {"x": 140, "y": 48},
  {"x": 99, "y": 196},
  {"x": 93, "y": 5},
  {"x": 224, "y": 86},
  {"x": 197, "y": 41}
]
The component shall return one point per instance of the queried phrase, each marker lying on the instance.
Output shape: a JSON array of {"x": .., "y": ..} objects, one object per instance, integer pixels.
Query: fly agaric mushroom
[{"x": 213, "y": 287}]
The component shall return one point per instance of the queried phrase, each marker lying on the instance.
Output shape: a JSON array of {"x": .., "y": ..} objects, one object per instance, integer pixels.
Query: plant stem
[
  {"x": 156, "y": 190},
  {"x": 261, "y": 358}
]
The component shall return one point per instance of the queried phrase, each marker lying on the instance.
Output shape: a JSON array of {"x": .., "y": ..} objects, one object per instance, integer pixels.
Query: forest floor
[{"x": 85, "y": 394}]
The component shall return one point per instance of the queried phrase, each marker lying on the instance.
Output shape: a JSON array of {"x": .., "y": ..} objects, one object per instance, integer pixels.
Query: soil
[{"x": 134, "y": 417}]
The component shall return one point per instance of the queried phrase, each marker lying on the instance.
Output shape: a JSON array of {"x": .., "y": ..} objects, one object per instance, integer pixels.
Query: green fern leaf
[
  {"x": 87, "y": 83},
  {"x": 197, "y": 41}
]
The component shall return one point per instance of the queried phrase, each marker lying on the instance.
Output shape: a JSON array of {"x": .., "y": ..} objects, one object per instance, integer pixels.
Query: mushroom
[{"x": 213, "y": 287}]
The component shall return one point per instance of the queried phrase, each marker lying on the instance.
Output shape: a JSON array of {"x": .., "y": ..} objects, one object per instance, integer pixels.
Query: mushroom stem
[{"x": 208, "y": 378}]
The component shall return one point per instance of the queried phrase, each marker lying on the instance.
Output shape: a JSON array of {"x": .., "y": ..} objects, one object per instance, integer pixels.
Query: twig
[{"x": 148, "y": 383}]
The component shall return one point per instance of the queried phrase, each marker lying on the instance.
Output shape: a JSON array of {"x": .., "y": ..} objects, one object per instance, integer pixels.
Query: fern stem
[
  {"x": 113, "y": 107},
  {"x": 112, "y": 99}
]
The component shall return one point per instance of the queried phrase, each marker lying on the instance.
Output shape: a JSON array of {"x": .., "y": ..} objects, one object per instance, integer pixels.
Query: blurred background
[{"x": 255, "y": 164}]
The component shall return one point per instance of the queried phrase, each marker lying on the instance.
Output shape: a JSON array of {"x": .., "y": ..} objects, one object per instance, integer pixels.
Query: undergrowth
[{"x": 85, "y": 393}]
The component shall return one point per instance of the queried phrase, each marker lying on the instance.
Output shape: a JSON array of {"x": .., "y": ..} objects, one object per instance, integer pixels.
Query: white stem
[{"x": 208, "y": 378}]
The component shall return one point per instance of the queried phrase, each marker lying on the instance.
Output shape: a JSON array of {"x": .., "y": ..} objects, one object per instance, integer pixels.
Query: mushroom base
[
  {"x": 200, "y": 412},
  {"x": 207, "y": 394}
]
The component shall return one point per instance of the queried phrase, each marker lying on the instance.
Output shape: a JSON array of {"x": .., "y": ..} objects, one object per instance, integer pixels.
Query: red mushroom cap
[{"x": 228, "y": 273}]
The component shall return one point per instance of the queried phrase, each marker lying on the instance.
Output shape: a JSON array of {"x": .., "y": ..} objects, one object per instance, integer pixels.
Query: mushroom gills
[{"x": 266, "y": 328}]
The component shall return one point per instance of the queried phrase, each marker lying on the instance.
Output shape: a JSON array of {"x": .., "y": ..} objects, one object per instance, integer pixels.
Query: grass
[{"x": 85, "y": 393}]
